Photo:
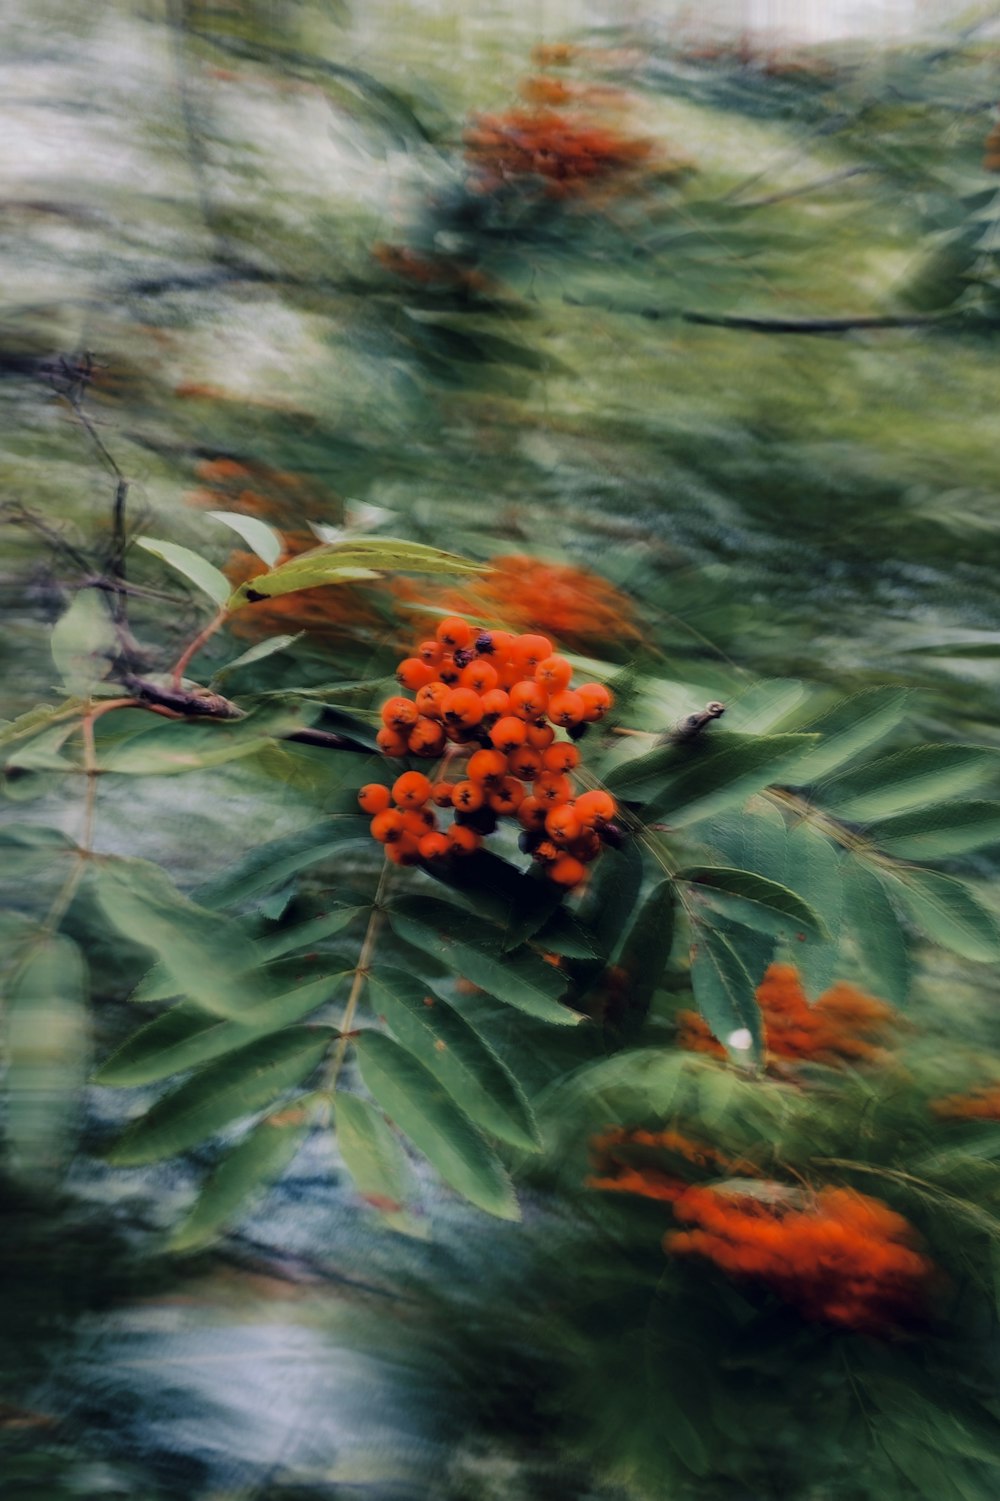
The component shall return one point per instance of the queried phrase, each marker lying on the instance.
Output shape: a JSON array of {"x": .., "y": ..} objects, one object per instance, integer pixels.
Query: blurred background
[{"x": 685, "y": 316}]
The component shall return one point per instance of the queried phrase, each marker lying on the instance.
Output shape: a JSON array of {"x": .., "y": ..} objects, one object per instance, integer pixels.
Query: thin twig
[{"x": 357, "y": 985}]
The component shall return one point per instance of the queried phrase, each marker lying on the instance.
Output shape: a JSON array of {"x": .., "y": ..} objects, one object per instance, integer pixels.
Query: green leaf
[
  {"x": 338, "y": 562},
  {"x": 935, "y": 833},
  {"x": 171, "y": 749},
  {"x": 949, "y": 914},
  {"x": 412, "y": 1097},
  {"x": 689, "y": 783},
  {"x": 257, "y": 653},
  {"x": 813, "y": 871},
  {"x": 202, "y": 952},
  {"x": 46, "y": 1049},
  {"x": 643, "y": 958},
  {"x": 263, "y": 539},
  {"x": 224, "y": 1092},
  {"x": 881, "y": 943},
  {"x": 473, "y": 950},
  {"x": 479, "y": 1083},
  {"x": 198, "y": 570},
  {"x": 372, "y": 1153},
  {"x": 850, "y": 727},
  {"x": 185, "y": 1036},
  {"x": 83, "y": 643},
  {"x": 754, "y": 901},
  {"x": 725, "y": 994},
  {"x": 909, "y": 779},
  {"x": 268, "y": 865},
  {"x": 244, "y": 1173}
]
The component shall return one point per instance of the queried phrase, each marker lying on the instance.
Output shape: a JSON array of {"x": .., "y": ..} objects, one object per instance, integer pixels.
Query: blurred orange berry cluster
[
  {"x": 498, "y": 699},
  {"x": 563, "y": 155},
  {"x": 983, "y": 1104},
  {"x": 579, "y": 607},
  {"x": 838, "y": 1255},
  {"x": 837, "y": 1029}
]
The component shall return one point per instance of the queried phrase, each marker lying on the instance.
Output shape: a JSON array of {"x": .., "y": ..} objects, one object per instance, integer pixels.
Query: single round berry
[
  {"x": 405, "y": 851},
  {"x": 419, "y": 821},
  {"x": 532, "y": 814},
  {"x": 411, "y": 790},
  {"x": 454, "y": 633},
  {"x": 462, "y": 840},
  {"x": 434, "y": 846},
  {"x": 462, "y": 707},
  {"x": 566, "y": 708},
  {"x": 586, "y": 848},
  {"x": 507, "y": 798},
  {"x": 594, "y": 808},
  {"x": 525, "y": 762},
  {"x": 563, "y": 825},
  {"x": 540, "y": 735},
  {"x": 374, "y": 797},
  {"x": 554, "y": 674},
  {"x": 441, "y": 794},
  {"x": 496, "y": 703},
  {"x": 561, "y": 757},
  {"x": 426, "y": 738},
  {"x": 391, "y": 743},
  {"x": 468, "y": 796},
  {"x": 487, "y": 766},
  {"x": 528, "y": 699},
  {"x": 478, "y": 675},
  {"x": 430, "y": 652},
  {"x": 597, "y": 700},
  {"x": 399, "y": 713},
  {"x": 566, "y": 871},
  {"x": 430, "y": 699},
  {"x": 413, "y": 674},
  {"x": 448, "y": 670},
  {"x": 484, "y": 643},
  {"x": 552, "y": 789},
  {"x": 388, "y": 826},
  {"x": 508, "y": 733},
  {"x": 530, "y": 650}
]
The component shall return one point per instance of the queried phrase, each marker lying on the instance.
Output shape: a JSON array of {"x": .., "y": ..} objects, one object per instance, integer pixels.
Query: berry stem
[{"x": 357, "y": 984}]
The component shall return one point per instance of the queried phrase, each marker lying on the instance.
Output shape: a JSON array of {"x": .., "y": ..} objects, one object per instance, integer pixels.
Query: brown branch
[
  {"x": 203, "y": 705},
  {"x": 816, "y": 325}
]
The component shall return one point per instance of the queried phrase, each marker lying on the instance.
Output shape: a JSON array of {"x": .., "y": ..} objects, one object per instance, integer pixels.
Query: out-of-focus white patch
[{"x": 740, "y": 1040}]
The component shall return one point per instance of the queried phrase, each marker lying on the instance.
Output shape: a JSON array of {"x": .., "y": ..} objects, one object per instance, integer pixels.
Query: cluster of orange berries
[{"x": 503, "y": 697}]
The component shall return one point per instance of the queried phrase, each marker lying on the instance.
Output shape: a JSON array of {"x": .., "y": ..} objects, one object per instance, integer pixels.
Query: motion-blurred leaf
[
  {"x": 241, "y": 1176},
  {"x": 198, "y": 570},
  {"x": 47, "y": 1052}
]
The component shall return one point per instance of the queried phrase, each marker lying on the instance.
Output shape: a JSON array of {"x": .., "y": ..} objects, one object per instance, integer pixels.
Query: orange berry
[
  {"x": 441, "y": 794},
  {"x": 418, "y": 822},
  {"x": 391, "y": 742},
  {"x": 467, "y": 797},
  {"x": 594, "y": 808},
  {"x": 430, "y": 699},
  {"x": 528, "y": 651},
  {"x": 547, "y": 851},
  {"x": 487, "y": 766},
  {"x": 509, "y": 674},
  {"x": 447, "y": 671},
  {"x": 480, "y": 675},
  {"x": 597, "y": 700},
  {"x": 430, "y": 652},
  {"x": 426, "y": 738},
  {"x": 501, "y": 644},
  {"x": 553, "y": 673},
  {"x": 411, "y": 790},
  {"x": 413, "y": 674},
  {"x": 405, "y": 851},
  {"x": 540, "y": 735},
  {"x": 563, "y": 824},
  {"x": 566, "y": 708},
  {"x": 525, "y": 762},
  {"x": 552, "y": 789},
  {"x": 532, "y": 813},
  {"x": 462, "y": 707},
  {"x": 508, "y": 796},
  {"x": 566, "y": 871},
  {"x": 508, "y": 733},
  {"x": 387, "y": 827},
  {"x": 496, "y": 703},
  {"x": 454, "y": 633},
  {"x": 463, "y": 840},
  {"x": 399, "y": 713},
  {"x": 561, "y": 757},
  {"x": 433, "y": 846},
  {"x": 374, "y": 797},
  {"x": 586, "y": 848},
  {"x": 528, "y": 699}
]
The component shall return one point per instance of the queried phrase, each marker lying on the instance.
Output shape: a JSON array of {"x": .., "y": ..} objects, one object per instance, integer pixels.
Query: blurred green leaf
[
  {"x": 435, "y": 1033},
  {"x": 754, "y": 901},
  {"x": 850, "y": 727},
  {"x": 687, "y": 783},
  {"x": 47, "y": 1049},
  {"x": 909, "y": 779},
  {"x": 372, "y": 1153},
  {"x": 873, "y": 922},
  {"x": 339, "y": 562},
  {"x": 241, "y": 1176},
  {"x": 949, "y": 914},
  {"x": 198, "y": 570},
  {"x": 263, "y": 539},
  {"x": 935, "y": 833},
  {"x": 412, "y": 1097},
  {"x": 725, "y": 995},
  {"x": 84, "y": 644}
]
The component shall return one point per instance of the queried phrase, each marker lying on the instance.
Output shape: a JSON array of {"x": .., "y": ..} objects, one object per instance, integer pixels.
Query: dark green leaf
[
  {"x": 726, "y": 997},
  {"x": 243, "y": 1173},
  {"x": 754, "y": 901},
  {"x": 688, "y": 783},
  {"x": 412, "y": 1097},
  {"x": 872, "y": 920},
  {"x": 949, "y": 914},
  {"x": 270, "y": 864},
  {"x": 849, "y": 728},
  {"x": 935, "y": 833},
  {"x": 909, "y": 779},
  {"x": 479, "y": 1083},
  {"x": 224, "y": 1092}
]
